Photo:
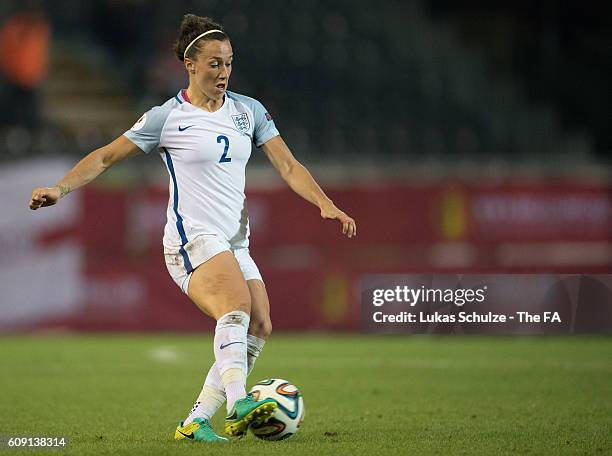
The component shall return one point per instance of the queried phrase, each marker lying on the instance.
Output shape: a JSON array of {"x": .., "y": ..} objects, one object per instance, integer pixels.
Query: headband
[{"x": 198, "y": 37}]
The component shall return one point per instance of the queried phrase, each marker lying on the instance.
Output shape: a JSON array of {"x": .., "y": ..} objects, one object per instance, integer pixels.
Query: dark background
[{"x": 522, "y": 82}]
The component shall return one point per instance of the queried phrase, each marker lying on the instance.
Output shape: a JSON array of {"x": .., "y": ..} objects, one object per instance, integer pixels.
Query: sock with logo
[
  {"x": 231, "y": 354},
  {"x": 212, "y": 396}
]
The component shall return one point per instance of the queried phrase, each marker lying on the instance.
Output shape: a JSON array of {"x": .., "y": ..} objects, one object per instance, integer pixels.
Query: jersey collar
[{"x": 182, "y": 97}]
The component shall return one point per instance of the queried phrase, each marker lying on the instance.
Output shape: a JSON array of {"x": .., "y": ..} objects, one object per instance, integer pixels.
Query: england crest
[{"x": 242, "y": 122}]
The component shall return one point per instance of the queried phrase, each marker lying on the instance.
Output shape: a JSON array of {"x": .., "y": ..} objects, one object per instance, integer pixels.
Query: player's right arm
[{"x": 90, "y": 167}]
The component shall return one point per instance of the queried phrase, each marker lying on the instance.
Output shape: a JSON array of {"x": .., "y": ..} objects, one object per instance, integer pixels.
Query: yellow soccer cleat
[
  {"x": 200, "y": 430},
  {"x": 247, "y": 411}
]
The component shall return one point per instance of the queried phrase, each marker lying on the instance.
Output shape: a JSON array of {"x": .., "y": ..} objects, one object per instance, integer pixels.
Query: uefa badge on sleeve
[
  {"x": 241, "y": 121},
  {"x": 139, "y": 123}
]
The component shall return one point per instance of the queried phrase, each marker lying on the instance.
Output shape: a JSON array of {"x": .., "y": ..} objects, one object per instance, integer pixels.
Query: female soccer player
[{"x": 204, "y": 137}]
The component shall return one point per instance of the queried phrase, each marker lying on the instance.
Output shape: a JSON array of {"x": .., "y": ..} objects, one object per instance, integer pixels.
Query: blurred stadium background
[{"x": 463, "y": 138}]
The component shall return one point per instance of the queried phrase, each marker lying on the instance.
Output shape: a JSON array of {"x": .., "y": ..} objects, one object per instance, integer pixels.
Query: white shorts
[{"x": 181, "y": 262}]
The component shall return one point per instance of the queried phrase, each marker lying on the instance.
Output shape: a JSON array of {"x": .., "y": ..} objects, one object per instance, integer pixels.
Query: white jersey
[{"x": 206, "y": 154}]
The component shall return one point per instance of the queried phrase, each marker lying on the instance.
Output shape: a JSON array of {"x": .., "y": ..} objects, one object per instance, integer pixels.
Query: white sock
[
  {"x": 231, "y": 354},
  {"x": 254, "y": 347},
  {"x": 206, "y": 405},
  {"x": 234, "y": 382},
  {"x": 212, "y": 396}
]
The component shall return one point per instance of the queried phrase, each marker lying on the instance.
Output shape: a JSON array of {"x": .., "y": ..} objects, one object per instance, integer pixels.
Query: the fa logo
[
  {"x": 552, "y": 317},
  {"x": 242, "y": 122}
]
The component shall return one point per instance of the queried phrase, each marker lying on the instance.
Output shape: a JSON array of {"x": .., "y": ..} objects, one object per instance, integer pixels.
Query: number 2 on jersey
[{"x": 224, "y": 157}]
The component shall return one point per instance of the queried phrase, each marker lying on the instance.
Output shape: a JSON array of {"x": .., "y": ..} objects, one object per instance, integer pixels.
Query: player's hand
[
  {"x": 348, "y": 224},
  {"x": 44, "y": 196}
]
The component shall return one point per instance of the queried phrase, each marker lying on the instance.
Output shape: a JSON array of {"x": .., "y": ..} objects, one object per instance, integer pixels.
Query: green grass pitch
[{"x": 124, "y": 394}]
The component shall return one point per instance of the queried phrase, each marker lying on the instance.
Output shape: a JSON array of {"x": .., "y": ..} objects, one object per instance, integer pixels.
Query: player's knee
[
  {"x": 241, "y": 300},
  {"x": 267, "y": 329},
  {"x": 236, "y": 293},
  {"x": 243, "y": 306},
  {"x": 261, "y": 327}
]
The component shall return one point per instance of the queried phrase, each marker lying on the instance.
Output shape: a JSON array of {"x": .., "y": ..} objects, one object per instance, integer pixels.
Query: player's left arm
[{"x": 301, "y": 182}]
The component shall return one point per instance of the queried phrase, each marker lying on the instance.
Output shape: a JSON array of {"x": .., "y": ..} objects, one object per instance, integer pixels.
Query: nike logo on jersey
[
  {"x": 227, "y": 345},
  {"x": 185, "y": 128}
]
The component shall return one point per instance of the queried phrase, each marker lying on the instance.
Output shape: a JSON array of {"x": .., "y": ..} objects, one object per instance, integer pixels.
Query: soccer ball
[{"x": 289, "y": 413}]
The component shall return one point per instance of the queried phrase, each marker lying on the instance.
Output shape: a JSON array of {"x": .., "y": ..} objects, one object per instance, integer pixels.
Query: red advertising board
[{"x": 312, "y": 272}]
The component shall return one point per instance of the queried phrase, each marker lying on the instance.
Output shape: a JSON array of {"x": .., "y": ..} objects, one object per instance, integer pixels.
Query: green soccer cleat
[
  {"x": 247, "y": 411},
  {"x": 200, "y": 430}
]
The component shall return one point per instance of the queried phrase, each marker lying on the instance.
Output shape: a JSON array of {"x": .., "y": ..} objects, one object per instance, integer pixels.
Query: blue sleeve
[
  {"x": 146, "y": 132},
  {"x": 264, "y": 128}
]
